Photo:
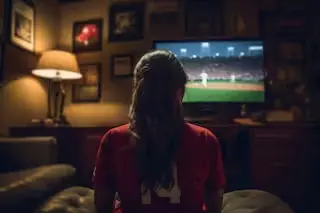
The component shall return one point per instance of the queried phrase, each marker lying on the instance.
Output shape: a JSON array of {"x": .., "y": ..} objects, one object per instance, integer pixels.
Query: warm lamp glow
[{"x": 56, "y": 64}]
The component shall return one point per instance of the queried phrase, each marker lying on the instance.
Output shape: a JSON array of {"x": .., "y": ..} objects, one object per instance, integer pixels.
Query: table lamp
[{"x": 57, "y": 66}]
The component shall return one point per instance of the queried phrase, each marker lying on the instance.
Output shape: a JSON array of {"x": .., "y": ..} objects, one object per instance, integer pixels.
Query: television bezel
[{"x": 222, "y": 39}]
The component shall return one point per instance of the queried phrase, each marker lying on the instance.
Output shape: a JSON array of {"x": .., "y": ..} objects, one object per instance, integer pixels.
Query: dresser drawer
[
  {"x": 274, "y": 145},
  {"x": 275, "y": 150},
  {"x": 271, "y": 175}
]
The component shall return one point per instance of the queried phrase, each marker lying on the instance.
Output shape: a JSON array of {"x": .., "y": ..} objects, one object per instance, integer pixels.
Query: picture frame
[
  {"x": 88, "y": 88},
  {"x": 201, "y": 20},
  {"x": 87, "y": 35},
  {"x": 126, "y": 22},
  {"x": 22, "y": 24},
  {"x": 121, "y": 66}
]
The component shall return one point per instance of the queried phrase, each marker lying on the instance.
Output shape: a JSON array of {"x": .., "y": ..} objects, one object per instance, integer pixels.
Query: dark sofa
[{"x": 29, "y": 173}]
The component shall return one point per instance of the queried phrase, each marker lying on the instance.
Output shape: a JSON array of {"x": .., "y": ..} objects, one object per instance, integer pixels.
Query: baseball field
[{"x": 224, "y": 91}]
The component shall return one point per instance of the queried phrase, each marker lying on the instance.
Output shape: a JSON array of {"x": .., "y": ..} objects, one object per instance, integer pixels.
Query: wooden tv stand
[{"x": 279, "y": 158}]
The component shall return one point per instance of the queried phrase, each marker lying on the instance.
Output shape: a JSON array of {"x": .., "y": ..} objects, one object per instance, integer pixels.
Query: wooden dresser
[
  {"x": 280, "y": 158},
  {"x": 284, "y": 161}
]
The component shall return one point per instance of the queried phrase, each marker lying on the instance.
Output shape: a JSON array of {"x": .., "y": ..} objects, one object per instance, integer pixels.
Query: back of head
[{"x": 155, "y": 115}]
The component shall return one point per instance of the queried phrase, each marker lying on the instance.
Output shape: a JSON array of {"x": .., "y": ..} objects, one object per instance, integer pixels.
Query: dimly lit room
[{"x": 211, "y": 105}]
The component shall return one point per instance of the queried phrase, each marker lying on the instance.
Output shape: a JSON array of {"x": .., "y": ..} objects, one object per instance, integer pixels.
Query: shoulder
[
  {"x": 116, "y": 136},
  {"x": 198, "y": 134},
  {"x": 199, "y": 131},
  {"x": 120, "y": 130}
]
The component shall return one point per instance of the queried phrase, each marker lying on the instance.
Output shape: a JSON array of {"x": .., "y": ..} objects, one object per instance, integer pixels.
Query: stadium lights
[
  {"x": 194, "y": 56},
  {"x": 217, "y": 54},
  {"x": 205, "y": 44},
  {"x": 230, "y": 48},
  {"x": 183, "y": 50},
  {"x": 255, "y": 48},
  {"x": 241, "y": 53}
]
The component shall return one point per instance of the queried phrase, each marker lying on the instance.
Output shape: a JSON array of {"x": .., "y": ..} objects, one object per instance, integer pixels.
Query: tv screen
[{"x": 220, "y": 70}]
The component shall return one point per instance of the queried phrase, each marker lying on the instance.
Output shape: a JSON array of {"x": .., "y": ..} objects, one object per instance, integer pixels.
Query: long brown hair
[{"x": 156, "y": 120}]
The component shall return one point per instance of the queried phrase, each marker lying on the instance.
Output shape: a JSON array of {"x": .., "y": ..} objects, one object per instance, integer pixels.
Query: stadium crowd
[{"x": 225, "y": 68}]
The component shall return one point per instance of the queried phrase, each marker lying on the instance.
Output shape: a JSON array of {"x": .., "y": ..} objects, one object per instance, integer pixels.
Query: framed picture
[
  {"x": 87, "y": 35},
  {"x": 22, "y": 24},
  {"x": 201, "y": 20},
  {"x": 122, "y": 66},
  {"x": 126, "y": 22},
  {"x": 88, "y": 89}
]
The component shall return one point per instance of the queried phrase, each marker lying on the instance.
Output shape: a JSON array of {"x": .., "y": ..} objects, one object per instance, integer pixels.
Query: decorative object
[
  {"x": 87, "y": 35},
  {"x": 126, "y": 22},
  {"x": 203, "y": 18},
  {"x": 57, "y": 66},
  {"x": 89, "y": 87},
  {"x": 22, "y": 24},
  {"x": 239, "y": 25},
  {"x": 122, "y": 66}
]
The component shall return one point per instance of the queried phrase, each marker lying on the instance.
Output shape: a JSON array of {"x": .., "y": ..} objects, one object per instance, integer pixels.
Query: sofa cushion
[
  {"x": 74, "y": 199},
  {"x": 253, "y": 201},
  {"x": 28, "y": 185}
]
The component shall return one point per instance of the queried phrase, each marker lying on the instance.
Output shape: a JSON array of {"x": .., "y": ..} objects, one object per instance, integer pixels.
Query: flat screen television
[{"x": 226, "y": 71}]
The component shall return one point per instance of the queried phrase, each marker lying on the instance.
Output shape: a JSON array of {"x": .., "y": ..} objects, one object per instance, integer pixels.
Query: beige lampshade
[{"x": 56, "y": 64}]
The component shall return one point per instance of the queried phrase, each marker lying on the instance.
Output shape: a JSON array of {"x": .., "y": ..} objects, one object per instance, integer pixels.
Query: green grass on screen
[{"x": 223, "y": 95}]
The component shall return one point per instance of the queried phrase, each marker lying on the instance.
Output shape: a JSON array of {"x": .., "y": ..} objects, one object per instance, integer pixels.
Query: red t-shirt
[{"x": 199, "y": 168}]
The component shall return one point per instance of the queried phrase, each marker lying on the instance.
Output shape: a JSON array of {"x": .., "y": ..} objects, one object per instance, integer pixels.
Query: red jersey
[{"x": 198, "y": 169}]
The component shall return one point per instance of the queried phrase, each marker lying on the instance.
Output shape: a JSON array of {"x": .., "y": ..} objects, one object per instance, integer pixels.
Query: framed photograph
[
  {"x": 126, "y": 22},
  {"x": 22, "y": 24},
  {"x": 87, "y": 35},
  {"x": 88, "y": 89},
  {"x": 122, "y": 66}
]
